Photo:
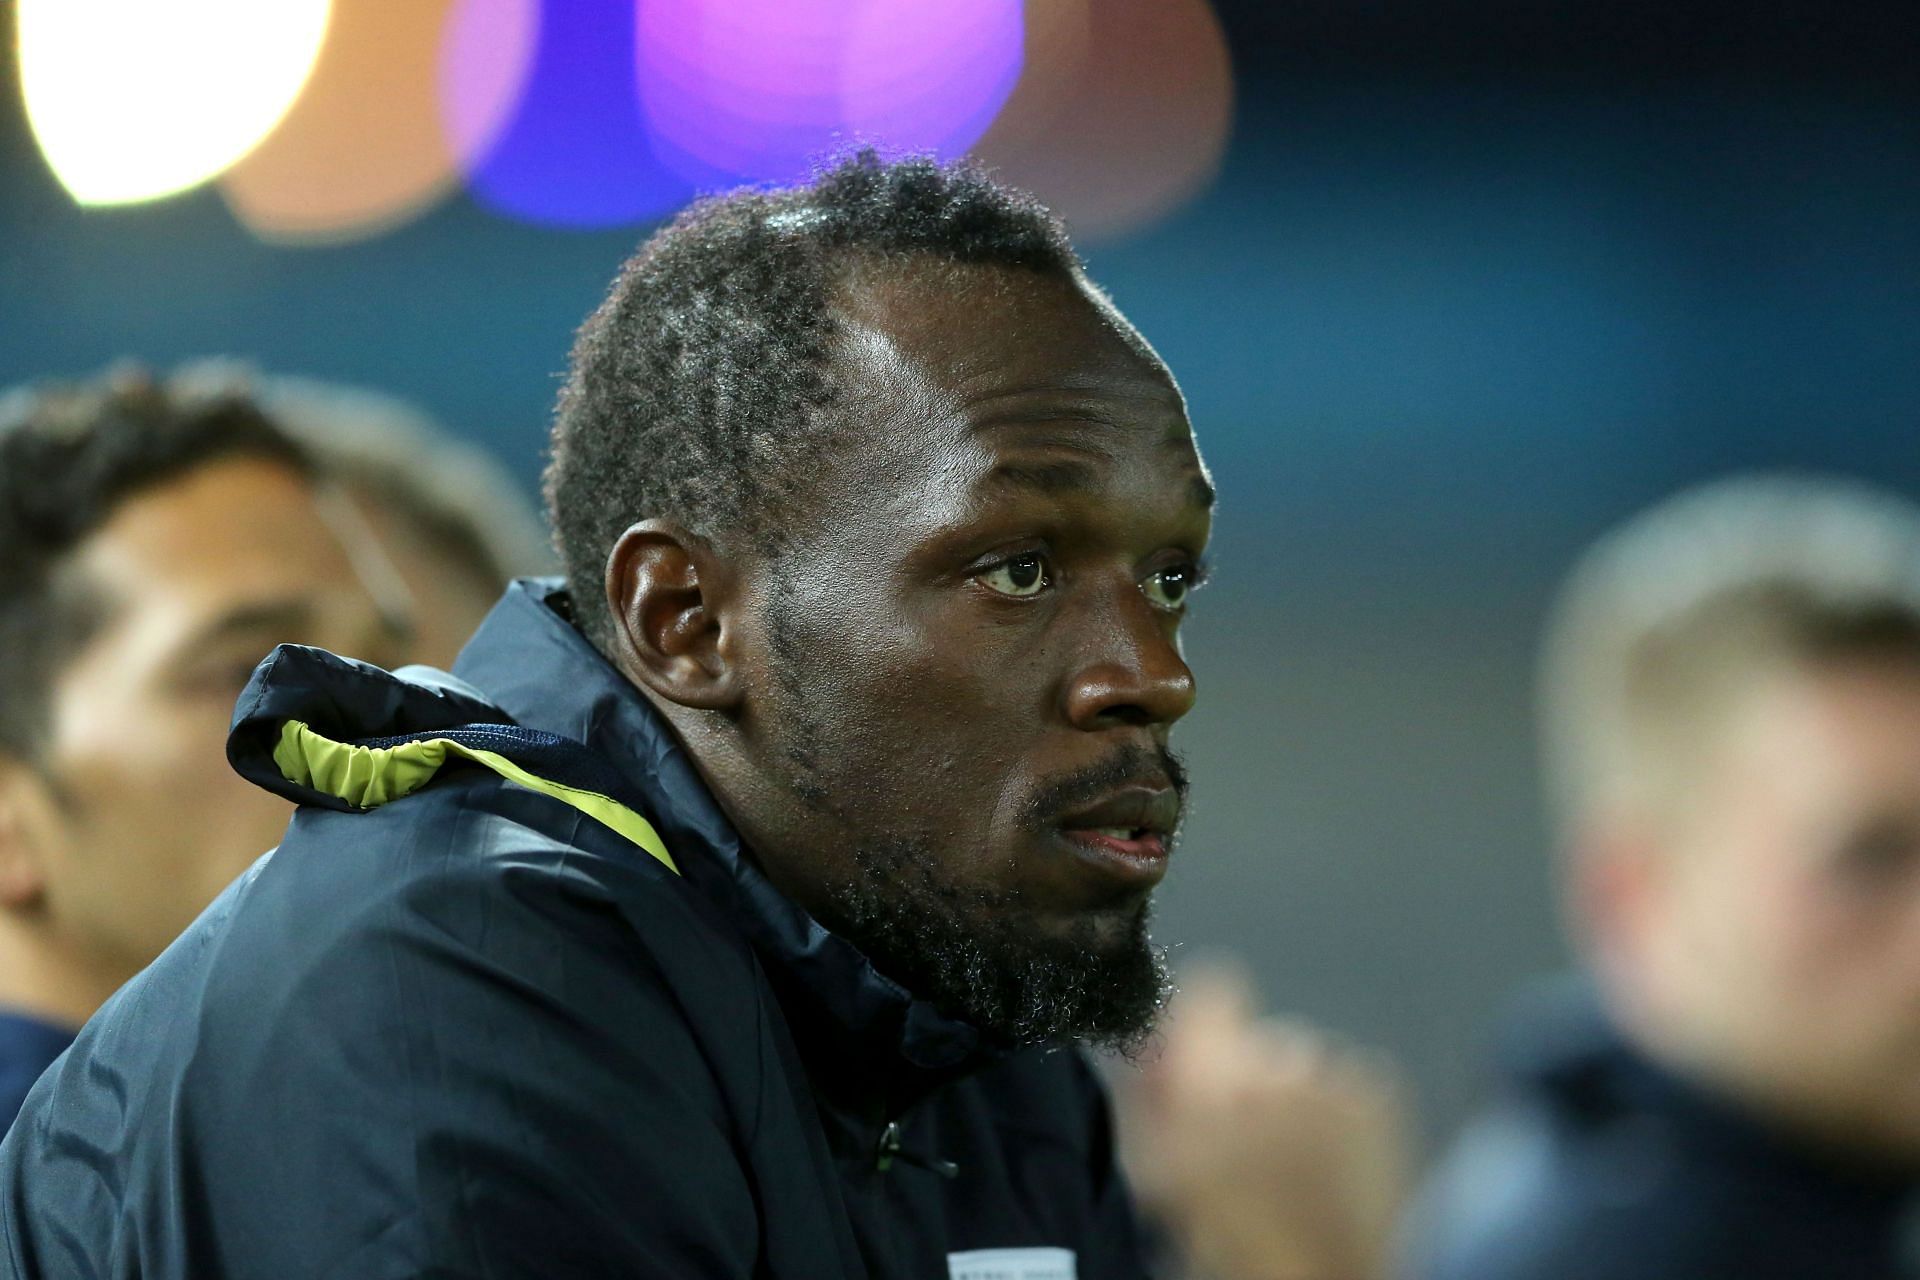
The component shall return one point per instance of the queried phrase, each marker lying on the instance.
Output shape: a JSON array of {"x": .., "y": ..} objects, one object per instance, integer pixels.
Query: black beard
[{"x": 977, "y": 953}]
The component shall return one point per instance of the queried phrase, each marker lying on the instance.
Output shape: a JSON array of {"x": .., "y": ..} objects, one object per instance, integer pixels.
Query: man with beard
[
  {"x": 728, "y": 911},
  {"x": 1732, "y": 711}
]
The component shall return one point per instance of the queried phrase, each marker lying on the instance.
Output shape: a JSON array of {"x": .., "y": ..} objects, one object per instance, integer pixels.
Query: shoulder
[
  {"x": 477, "y": 900},
  {"x": 1527, "y": 1193},
  {"x": 463, "y": 1008},
  {"x": 475, "y": 928},
  {"x": 475, "y": 859}
]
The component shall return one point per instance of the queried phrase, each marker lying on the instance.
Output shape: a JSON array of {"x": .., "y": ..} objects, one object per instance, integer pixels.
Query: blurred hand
[{"x": 1268, "y": 1152}]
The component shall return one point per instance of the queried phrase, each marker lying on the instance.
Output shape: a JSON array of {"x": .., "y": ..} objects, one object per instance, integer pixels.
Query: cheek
[
  {"x": 925, "y": 726},
  {"x": 1845, "y": 941},
  {"x": 157, "y": 803},
  {"x": 1834, "y": 971}
]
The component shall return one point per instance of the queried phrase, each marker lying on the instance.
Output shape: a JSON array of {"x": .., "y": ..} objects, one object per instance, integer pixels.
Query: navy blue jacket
[
  {"x": 480, "y": 1032},
  {"x": 1598, "y": 1164},
  {"x": 28, "y": 1046}
]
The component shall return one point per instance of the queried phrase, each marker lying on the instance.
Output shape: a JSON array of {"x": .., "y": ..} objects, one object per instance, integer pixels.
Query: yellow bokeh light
[{"x": 132, "y": 100}]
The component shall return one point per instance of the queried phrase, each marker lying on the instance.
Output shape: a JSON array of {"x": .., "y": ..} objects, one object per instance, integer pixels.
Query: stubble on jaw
[
  {"x": 976, "y": 951},
  {"x": 980, "y": 954}
]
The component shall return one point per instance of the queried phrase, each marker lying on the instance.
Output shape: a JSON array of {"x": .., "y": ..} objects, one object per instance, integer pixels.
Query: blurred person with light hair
[{"x": 1731, "y": 724}]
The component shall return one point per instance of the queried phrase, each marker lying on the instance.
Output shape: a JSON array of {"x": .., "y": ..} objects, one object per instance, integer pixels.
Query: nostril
[
  {"x": 1128, "y": 714},
  {"x": 1114, "y": 697}
]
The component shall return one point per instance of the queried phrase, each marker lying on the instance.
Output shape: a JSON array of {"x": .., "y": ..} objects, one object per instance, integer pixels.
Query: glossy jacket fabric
[
  {"x": 28, "y": 1045},
  {"x": 476, "y": 1033},
  {"x": 1597, "y": 1164}
]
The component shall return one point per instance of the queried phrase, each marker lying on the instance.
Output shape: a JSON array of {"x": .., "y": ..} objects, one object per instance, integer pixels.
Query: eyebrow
[
  {"x": 1072, "y": 476},
  {"x": 1062, "y": 475},
  {"x": 281, "y": 617},
  {"x": 281, "y": 620}
]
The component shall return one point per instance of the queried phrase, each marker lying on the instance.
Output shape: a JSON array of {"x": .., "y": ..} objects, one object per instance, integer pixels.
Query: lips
[{"x": 1125, "y": 834}]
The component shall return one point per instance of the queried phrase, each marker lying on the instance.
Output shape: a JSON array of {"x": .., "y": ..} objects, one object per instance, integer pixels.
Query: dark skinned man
[{"x": 734, "y": 911}]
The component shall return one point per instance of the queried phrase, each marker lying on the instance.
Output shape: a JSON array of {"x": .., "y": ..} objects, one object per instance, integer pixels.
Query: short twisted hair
[{"x": 707, "y": 376}]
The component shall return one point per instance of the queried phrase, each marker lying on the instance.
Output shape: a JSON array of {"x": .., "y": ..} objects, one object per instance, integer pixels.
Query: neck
[{"x": 47, "y": 979}]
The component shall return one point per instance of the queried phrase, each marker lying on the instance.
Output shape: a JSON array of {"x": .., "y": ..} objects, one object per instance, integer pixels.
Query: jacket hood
[
  {"x": 345, "y": 700},
  {"x": 528, "y": 666}
]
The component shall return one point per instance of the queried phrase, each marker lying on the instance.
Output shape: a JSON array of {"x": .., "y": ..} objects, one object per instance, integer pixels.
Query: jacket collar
[
  {"x": 529, "y": 659},
  {"x": 1562, "y": 1042}
]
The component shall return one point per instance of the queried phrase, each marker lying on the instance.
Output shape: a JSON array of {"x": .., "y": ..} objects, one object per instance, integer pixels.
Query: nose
[{"x": 1132, "y": 674}]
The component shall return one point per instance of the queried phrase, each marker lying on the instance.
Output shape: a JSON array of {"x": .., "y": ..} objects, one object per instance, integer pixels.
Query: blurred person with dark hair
[
  {"x": 735, "y": 908},
  {"x": 154, "y": 545},
  {"x": 1731, "y": 713},
  {"x": 456, "y": 527}
]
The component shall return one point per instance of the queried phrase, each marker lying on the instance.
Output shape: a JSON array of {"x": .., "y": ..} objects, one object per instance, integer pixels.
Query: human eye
[
  {"x": 1169, "y": 587},
  {"x": 221, "y": 671},
  {"x": 1020, "y": 575},
  {"x": 1878, "y": 851}
]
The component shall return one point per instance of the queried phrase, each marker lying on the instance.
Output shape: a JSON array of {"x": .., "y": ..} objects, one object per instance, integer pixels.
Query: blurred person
[
  {"x": 154, "y": 545},
  {"x": 733, "y": 911},
  {"x": 1731, "y": 713},
  {"x": 455, "y": 526},
  {"x": 1262, "y": 1148}
]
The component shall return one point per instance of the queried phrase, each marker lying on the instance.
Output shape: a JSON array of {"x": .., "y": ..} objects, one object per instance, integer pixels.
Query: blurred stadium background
[{"x": 1450, "y": 285}]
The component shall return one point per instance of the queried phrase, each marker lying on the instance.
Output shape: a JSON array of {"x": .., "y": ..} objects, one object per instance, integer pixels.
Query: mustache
[{"x": 1131, "y": 766}]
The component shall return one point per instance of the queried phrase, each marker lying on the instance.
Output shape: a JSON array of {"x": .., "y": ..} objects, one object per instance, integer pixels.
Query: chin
[{"x": 1110, "y": 930}]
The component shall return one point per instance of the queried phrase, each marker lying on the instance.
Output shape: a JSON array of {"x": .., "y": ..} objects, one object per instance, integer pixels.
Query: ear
[
  {"x": 28, "y": 826},
  {"x": 1615, "y": 876},
  {"x": 671, "y": 597}
]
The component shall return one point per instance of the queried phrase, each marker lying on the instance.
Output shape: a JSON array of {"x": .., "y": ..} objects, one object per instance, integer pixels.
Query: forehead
[
  {"x": 944, "y": 366},
  {"x": 1859, "y": 716},
  {"x": 232, "y": 529},
  {"x": 1810, "y": 742},
  {"x": 976, "y": 332}
]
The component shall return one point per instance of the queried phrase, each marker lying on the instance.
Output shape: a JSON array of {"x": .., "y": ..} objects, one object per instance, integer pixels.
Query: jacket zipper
[{"x": 890, "y": 1149}]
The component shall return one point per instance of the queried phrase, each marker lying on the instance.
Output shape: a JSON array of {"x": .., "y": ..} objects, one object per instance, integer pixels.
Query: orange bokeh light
[
  {"x": 364, "y": 148},
  {"x": 1123, "y": 111}
]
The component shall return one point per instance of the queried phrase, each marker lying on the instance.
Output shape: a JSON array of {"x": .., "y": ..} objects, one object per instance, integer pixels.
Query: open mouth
[
  {"x": 1134, "y": 841},
  {"x": 1127, "y": 833}
]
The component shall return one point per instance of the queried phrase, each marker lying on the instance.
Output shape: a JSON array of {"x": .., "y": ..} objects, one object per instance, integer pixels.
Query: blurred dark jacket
[
  {"x": 494, "y": 1028},
  {"x": 28, "y": 1046},
  {"x": 1596, "y": 1164}
]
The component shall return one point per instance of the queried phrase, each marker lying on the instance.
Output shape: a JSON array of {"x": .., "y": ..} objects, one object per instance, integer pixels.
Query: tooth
[{"x": 1115, "y": 833}]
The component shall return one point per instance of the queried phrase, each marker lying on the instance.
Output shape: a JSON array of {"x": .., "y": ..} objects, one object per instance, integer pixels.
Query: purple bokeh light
[
  {"x": 572, "y": 150},
  {"x": 756, "y": 90},
  {"x": 934, "y": 81},
  {"x": 604, "y": 112}
]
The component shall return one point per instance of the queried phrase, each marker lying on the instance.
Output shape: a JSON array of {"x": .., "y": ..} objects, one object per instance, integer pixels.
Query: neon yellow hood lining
[{"x": 367, "y": 777}]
